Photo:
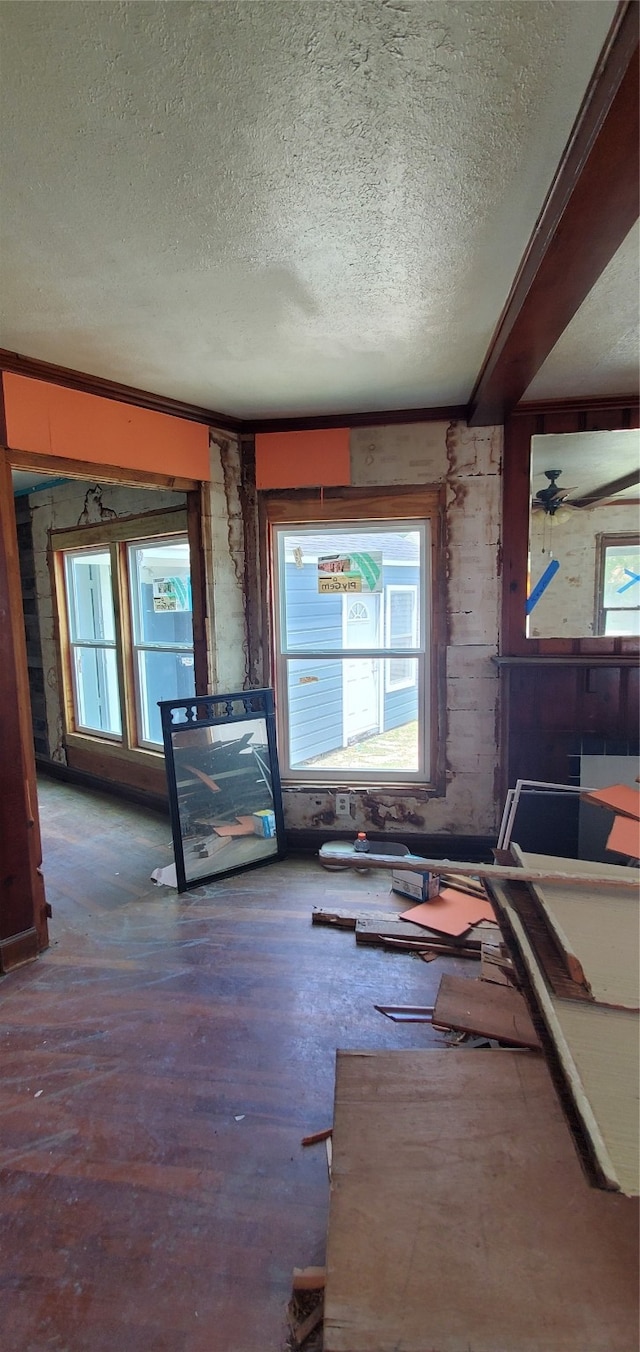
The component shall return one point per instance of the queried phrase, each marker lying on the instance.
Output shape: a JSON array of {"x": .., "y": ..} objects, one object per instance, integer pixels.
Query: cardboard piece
[
  {"x": 451, "y": 912},
  {"x": 243, "y": 826}
]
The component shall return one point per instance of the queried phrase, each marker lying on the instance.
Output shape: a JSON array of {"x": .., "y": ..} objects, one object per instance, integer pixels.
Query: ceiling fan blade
[{"x": 607, "y": 490}]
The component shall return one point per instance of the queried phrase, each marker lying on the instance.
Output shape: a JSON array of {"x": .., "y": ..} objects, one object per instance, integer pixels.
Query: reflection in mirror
[{"x": 584, "y": 535}]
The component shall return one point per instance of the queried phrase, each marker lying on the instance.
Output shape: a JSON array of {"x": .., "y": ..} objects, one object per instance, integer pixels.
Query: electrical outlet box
[{"x": 343, "y": 805}]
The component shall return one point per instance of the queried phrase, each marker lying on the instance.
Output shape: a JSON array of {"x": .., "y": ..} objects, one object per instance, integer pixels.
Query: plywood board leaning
[
  {"x": 598, "y": 930},
  {"x": 460, "y": 1216},
  {"x": 597, "y": 1052},
  {"x": 480, "y": 1007}
]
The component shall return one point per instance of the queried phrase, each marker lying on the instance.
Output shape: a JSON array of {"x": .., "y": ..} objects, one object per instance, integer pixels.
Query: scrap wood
[
  {"x": 371, "y": 932},
  {"x": 309, "y": 1279},
  {"x": 472, "y": 885},
  {"x": 429, "y": 951},
  {"x": 347, "y": 919},
  {"x": 485, "y": 1010},
  {"x": 492, "y": 872},
  {"x": 317, "y": 1136},
  {"x": 407, "y": 1013},
  {"x": 305, "y": 1313},
  {"x": 206, "y": 779},
  {"x": 496, "y": 966}
]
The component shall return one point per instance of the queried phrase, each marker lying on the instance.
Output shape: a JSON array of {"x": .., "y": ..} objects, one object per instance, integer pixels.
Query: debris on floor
[{"x": 304, "y": 1314}]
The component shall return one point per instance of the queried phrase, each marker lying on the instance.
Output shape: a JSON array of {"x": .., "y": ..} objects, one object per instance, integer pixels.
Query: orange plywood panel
[
  {"x": 318, "y": 459},
  {"x": 622, "y": 798},
  {"x": 52, "y": 420},
  {"x": 624, "y": 837},
  {"x": 451, "y": 912}
]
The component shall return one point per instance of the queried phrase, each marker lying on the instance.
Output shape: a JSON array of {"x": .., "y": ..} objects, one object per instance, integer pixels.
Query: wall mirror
[
  {"x": 224, "y": 783},
  {"x": 584, "y": 535}
]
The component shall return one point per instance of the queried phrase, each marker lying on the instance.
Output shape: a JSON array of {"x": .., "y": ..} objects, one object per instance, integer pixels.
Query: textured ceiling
[
  {"x": 586, "y": 460},
  {"x": 279, "y": 208},
  {"x": 599, "y": 352}
]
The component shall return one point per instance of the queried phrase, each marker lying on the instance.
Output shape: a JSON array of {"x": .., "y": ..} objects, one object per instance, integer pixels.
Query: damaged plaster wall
[
  {"x": 468, "y": 462},
  {"x": 224, "y": 546},
  {"x": 75, "y": 502},
  {"x": 567, "y": 609}
]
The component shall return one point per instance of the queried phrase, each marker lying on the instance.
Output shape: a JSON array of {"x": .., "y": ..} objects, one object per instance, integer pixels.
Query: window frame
[
  {"x": 393, "y": 587},
  {"x": 110, "y": 645},
  {"x": 603, "y": 543},
  {"x": 362, "y": 508},
  {"x": 114, "y": 536}
]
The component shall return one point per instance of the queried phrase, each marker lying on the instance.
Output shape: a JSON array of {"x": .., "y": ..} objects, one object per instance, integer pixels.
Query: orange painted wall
[
  {"x": 303, "y": 459},
  {"x": 52, "y": 420}
]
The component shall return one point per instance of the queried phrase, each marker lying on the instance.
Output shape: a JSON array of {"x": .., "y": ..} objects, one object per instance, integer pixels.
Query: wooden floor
[{"x": 160, "y": 1064}]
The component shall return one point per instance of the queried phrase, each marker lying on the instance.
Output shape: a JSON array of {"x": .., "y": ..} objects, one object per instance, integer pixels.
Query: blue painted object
[{"x": 541, "y": 586}]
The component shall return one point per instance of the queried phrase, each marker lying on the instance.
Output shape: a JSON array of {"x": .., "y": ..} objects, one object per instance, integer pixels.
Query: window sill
[
  {"x": 105, "y": 746},
  {"x": 131, "y": 767}
]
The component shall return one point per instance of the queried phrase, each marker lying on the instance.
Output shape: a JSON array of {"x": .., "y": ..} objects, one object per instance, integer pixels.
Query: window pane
[
  {"x": 96, "y": 690},
  {"x": 160, "y": 581},
  {"x": 333, "y": 585},
  {"x": 340, "y": 714},
  {"x": 622, "y": 623},
  {"x": 622, "y": 579},
  {"x": 161, "y": 675},
  {"x": 90, "y": 596}
]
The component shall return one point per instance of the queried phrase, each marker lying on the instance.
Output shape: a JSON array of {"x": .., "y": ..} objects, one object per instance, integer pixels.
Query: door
[{"x": 361, "y": 678}]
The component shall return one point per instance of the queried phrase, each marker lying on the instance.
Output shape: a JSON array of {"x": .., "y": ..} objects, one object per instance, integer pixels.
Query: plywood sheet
[
  {"x": 598, "y": 1052},
  {"x": 599, "y": 928},
  {"x": 460, "y": 1218},
  {"x": 624, "y": 837},
  {"x": 619, "y": 797},
  {"x": 481, "y": 1007}
]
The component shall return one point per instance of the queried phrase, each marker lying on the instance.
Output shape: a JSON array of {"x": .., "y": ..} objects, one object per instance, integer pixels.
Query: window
[
  {"x": 352, "y": 643},
  {"x": 126, "y": 613},
  {"x": 92, "y": 641},
  {"x": 402, "y": 632},
  {"x": 618, "y": 586}
]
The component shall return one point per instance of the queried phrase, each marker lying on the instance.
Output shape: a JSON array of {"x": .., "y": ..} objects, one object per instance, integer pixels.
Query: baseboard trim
[
  {"x": 18, "y": 948},
  {"x": 85, "y": 780}
]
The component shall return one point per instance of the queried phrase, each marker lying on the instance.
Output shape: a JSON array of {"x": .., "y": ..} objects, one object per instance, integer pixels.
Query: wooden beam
[
  {"x": 591, "y": 206},
  {"x": 63, "y": 467},
  {"x": 374, "y": 418}
]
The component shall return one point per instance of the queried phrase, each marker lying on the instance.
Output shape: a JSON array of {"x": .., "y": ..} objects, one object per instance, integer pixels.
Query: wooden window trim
[
  {"x": 370, "y": 504},
  {"x": 604, "y": 542},
  {"x": 116, "y": 535}
]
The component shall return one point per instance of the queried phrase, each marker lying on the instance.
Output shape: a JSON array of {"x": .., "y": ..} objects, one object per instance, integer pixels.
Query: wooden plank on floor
[
  {"x": 374, "y": 931},
  {"x": 471, "y": 1006},
  {"x": 460, "y": 1217}
]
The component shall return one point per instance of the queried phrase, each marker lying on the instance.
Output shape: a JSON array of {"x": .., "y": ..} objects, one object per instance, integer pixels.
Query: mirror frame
[{"x": 536, "y": 420}]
